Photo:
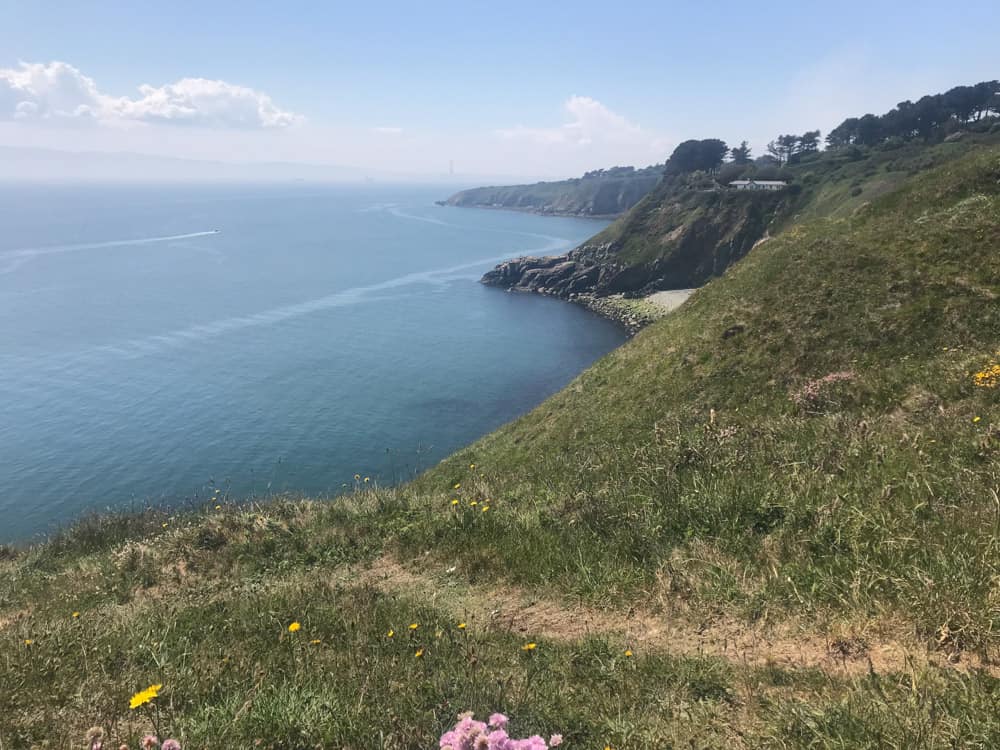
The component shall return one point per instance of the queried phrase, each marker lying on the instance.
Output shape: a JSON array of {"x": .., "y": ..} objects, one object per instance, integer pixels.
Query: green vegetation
[
  {"x": 769, "y": 520},
  {"x": 601, "y": 192}
]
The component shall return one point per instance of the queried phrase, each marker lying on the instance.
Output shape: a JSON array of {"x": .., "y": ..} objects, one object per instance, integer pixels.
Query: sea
[{"x": 162, "y": 342}]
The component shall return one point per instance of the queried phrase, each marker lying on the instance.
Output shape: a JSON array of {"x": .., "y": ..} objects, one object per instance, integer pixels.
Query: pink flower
[
  {"x": 554, "y": 741},
  {"x": 498, "y": 721},
  {"x": 170, "y": 745}
]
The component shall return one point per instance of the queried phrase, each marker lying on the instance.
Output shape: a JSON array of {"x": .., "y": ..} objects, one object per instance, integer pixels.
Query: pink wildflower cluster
[
  {"x": 470, "y": 734},
  {"x": 95, "y": 741},
  {"x": 814, "y": 393}
]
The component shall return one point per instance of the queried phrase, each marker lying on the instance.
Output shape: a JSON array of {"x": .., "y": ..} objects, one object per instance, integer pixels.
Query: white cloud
[
  {"x": 56, "y": 91},
  {"x": 590, "y": 121},
  {"x": 593, "y": 136}
]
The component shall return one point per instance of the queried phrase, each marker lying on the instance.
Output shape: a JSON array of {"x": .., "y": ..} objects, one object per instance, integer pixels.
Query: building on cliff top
[{"x": 758, "y": 184}]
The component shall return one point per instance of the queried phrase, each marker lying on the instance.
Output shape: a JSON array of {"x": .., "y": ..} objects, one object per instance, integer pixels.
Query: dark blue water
[{"x": 321, "y": 332}]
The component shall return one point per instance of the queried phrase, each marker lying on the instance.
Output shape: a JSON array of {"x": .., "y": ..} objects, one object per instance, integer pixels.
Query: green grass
[{"x": 693, "y": 476}]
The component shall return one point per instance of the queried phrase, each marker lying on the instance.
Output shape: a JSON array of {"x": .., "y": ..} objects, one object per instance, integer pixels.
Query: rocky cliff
[
  {"x": 606, "y": 192},
  {"x": 675, "y": 238}
]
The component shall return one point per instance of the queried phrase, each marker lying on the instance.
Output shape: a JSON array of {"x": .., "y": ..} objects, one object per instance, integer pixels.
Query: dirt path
[{"x": 844, "y": 652}]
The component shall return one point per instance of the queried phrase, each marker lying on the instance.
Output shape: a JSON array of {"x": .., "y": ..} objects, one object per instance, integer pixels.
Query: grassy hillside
[
  {"x": 600, "y": 193},
  {"x": 690, "y": 229},
  {"x": 769, "y": 520}
]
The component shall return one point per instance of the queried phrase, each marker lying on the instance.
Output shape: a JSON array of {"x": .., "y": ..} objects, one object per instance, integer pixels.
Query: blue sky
[{"x": 499, "y": 87}]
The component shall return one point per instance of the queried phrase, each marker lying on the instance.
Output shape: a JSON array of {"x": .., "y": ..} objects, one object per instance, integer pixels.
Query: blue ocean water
[{"x": 158, "y": 342}]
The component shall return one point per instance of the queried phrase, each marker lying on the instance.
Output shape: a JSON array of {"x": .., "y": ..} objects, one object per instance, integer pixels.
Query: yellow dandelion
[
  {"x": 295, "y": 627},
  {"x": 391, "y": 633},
  {"x": 218, "y": 507},
  {"x": 28, "y": 641},
  {"x": 461, "y": 626},
  {"x": 315, "y": 641},
  {"x": 529, "y": 646},
  {"x": 454, "y": 502},
  {"x": 414, "y": 625},
  {"x": 75, "y": 615},
  {"x": 485, "y": 508},
  {"x": 472, "y": 466},
  {"x": 419, "y": 653},
  {"x": 144, "y": 696},
  {"x": 628, "y": 652},
  {"x": 164, "y": 524},
  {"x": 976, "y": 419},
  {"x": 458, "y": 485},
  {"x": 473, "y": 504}
]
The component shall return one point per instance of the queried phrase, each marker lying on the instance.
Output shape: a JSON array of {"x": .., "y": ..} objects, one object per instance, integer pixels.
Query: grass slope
[{"x": 799, "y": 452}]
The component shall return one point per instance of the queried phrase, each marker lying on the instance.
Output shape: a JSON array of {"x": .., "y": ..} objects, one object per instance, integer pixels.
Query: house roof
[{"x": 758, "y": 182}]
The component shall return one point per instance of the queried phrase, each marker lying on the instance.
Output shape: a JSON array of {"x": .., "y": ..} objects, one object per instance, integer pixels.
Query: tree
[
  {"x": 693, "y": 155},
  {"x": 783, "y": 148},
  {"x": 869, "y": 131},
  {"x": 809, "y": 142},
  {"x": 844, "y": 134},
  {"x": 740, "y": 154}
]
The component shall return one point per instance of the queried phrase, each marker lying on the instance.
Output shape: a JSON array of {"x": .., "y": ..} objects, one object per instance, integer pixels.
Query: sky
[{"x": 501, "y": 88}]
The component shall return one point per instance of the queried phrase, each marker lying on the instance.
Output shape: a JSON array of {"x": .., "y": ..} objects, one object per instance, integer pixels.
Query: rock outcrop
[{"x": 674, "y": 239}]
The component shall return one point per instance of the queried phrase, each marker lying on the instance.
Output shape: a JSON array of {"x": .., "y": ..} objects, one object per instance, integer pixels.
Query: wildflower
[
  {"x": 461, "y": 626},
  {"x": 315, "y": 641},
  {"x": 367, "y": 480},
  {"x": 28, "y": 641},
  {"x": 498, "y": 721},
  {"x": 472, "y": 467},
  {"x": 218, "y": 507},
  {"x": 391, "y": 633},
  {"x": 294, "y": 627},
  {"x": 419, "y": 654},
  {"x": 458, "y": 485},
  {"x": 75, "y": 615},
  {"x": 485, "y": 508},
  {"x": 164, "y": 524},
  {"x": 628, "y": 652},
  {"x": 529, "y": 646},
  {"x": 455, "y": 501},
  {"x": 172, "y": 745},
  {"x": 988, "y": 378},
  {"x": 144, "y": 696},
  {"x": 414, "y": 625},
  {"x": 473, "y": 504},
  {"x": 555, "y": 740},
  {"x": 357, "y": 477},
  {"x": 976, "y": 419},
  {"x": 95, "y": 738},
  {"x": 149, "y": 742}
]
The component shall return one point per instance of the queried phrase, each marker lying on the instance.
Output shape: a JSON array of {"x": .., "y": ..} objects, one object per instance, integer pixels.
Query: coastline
[
  {"x": 535, "y": 211},
  {"x": 634, "y": 314},
  {"x": 630, "y": 313}
]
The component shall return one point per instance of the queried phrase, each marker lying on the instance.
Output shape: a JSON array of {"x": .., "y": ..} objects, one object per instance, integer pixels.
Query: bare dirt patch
[{"x": 839, "y": 650}]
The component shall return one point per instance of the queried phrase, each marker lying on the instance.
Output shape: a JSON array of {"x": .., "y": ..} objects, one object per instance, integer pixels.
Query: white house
[{"x": 758, "y": 184}]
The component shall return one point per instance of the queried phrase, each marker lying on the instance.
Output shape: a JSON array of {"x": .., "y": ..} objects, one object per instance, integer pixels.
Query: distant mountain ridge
[{"x": 602, "y": 192}]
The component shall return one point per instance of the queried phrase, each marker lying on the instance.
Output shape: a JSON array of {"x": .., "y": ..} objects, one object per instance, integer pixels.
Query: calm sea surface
[{"x": 159, "y": 342}]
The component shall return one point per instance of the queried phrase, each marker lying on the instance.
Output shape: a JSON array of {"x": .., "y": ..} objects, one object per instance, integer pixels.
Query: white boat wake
[{"x": 18, "y": 257}]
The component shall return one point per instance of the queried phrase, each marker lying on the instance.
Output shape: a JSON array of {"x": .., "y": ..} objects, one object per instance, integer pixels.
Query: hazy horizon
[{"x": 506, "y": 93}]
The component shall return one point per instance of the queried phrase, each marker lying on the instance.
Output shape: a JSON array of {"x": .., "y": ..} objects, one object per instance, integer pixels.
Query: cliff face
[
  {"x": 603, "y": 193},
  {"x": 675, "y": 238}
]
